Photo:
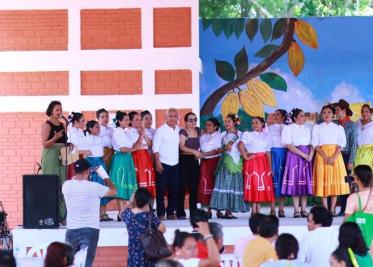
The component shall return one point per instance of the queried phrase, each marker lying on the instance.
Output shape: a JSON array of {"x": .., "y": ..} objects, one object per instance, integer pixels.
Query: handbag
[
  {"x": 364, "y": 220},
  {"x": 153, "y": 242}
]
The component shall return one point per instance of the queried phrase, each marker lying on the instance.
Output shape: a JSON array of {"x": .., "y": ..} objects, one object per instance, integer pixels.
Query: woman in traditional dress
[
  {"x": 189, "y": 163},
  {"x": 106, "y": 132},
  {"x": 297, "y": 180},
  {"x": 329, "y": 171},
  {"x": 278, "y": 157},
  {"x": 145, "y": 173},
  {"x": 211, "y": 150},
  {"x": 228, "y": 190},
  {"x": 364, "y": 154},
  {"x": 95, "y": 145},
  {"x": 255, "y": 148},
  {"x": 147, "y": 121},
  {"x": 53, "y": 135},
  {"x": 122, "y": 171}
]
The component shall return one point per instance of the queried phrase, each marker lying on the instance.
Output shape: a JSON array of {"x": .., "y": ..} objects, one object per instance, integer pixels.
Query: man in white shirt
[
  {"x": 321, "y": 240},
  {"x": 83, "y": 209},
  {"x": 166, "y": 153}
]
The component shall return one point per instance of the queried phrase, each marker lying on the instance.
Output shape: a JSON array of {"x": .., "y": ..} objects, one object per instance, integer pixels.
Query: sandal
[
  {"x": 281, "y": 214},
  {"x": 229, "y": 215},
  {"x": 272, "y": 212},
  {"x": 304, "y": 214},
  {"x": 297, "y": 214},
  {"x": 219, "y": 215}
]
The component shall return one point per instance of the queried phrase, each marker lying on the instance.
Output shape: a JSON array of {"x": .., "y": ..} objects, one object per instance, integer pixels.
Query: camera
[{"x": 349, "y": 179}]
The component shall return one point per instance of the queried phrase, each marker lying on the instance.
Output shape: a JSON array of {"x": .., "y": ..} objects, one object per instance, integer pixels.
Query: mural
[{"x": 251, "y": 67}]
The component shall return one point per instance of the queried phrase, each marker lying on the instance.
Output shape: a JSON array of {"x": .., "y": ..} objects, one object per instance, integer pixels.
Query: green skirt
[
  {"x": 123, "y": 175},
  {"x": 52, "y": 164}
]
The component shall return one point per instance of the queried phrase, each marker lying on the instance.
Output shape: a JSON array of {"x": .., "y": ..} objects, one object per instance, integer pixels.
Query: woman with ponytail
[{"x": 122, "y": 171}]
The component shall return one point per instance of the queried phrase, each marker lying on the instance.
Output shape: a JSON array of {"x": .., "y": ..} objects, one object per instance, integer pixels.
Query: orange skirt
[{"x": 145, "y": 173}]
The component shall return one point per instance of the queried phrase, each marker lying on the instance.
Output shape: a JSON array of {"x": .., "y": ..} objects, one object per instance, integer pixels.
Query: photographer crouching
[{"x": 83, "y": 208}]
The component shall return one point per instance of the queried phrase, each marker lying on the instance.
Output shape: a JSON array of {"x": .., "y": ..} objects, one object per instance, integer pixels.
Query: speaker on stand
[{"x": 40, "y": 201}]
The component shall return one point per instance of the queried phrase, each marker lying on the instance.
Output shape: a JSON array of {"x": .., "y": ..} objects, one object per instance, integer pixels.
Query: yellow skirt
[
  {"x": 329, "y": 180},
  {"x": 364, "y": 156}
]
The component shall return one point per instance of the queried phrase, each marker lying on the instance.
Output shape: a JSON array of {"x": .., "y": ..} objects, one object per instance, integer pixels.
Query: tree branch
[{"x": 211, "y": 102}]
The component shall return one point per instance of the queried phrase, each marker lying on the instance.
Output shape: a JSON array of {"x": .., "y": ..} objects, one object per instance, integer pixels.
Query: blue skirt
[
  {"x": 95, "y": 162},
  {"x": 278, "y": 155}
]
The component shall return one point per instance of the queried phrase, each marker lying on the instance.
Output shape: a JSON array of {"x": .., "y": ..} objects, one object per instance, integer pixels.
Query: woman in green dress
[
  {"x": 53, "y": 136},
  {"x": 122, "y": 171},
  {"x": 228, "y": 191}
]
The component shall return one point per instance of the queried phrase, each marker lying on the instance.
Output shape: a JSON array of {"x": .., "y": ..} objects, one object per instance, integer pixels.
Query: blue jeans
[{"x": 82, "y": 238}]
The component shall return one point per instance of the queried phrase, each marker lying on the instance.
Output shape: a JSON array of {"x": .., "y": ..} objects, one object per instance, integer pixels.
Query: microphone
[{"x": 64, "y": 118}]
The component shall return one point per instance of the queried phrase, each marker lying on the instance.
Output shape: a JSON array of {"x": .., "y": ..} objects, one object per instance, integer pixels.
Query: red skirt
[
  {"x": 207, "y": 180},
  {"x": 71, "y": 170},
  {"x": 258, "y": 179},
  {"x": 145, "y": 173}
]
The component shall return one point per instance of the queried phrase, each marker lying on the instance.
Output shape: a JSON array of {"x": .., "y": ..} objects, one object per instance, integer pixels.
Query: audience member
[
  {"x": 287, "y": 251},
  {"x": 260, "y": 249},
  {"x": 241, "y": 243},
  {"x": 59, "y": 255},
  {"x": 321, "y": 240},
  {"x": 340, "y": 258},
  {"x": 7, "y": 258}
]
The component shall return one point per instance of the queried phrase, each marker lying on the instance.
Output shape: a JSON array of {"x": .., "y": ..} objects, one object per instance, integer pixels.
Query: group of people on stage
[{"x": 224, "y": 171}]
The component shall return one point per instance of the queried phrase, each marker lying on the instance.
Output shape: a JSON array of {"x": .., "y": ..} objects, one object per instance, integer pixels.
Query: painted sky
[{"x": 342, "y": 66}]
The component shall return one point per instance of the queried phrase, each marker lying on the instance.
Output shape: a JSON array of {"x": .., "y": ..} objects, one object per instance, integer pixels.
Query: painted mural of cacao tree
[{"x": 252, "y": 88}]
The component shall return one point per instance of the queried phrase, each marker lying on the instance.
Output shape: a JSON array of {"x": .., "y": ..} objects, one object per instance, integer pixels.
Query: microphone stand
[{"x": 66, "y": 167}]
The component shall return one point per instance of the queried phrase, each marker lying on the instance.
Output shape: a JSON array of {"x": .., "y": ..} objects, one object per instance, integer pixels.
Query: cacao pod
[
  {"x": 306, "y": 33},
  {"x": 295, "y": 58},
  {"x": 263, "y": 92},
  {"x": 230, "y": 104},
  {"x": 250, "y": 103}
]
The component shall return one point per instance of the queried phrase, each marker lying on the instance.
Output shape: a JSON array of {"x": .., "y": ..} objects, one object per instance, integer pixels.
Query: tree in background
[{"x": 283, "y": 8}]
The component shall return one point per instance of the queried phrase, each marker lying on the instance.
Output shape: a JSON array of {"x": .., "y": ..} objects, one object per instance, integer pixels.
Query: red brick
[
  {"x": 173, "y": 81},
  {"x": 160, "y": 115}
]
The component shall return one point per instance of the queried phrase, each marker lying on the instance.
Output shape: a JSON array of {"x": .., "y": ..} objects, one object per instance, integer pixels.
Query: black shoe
[
  {"x": 118, "y": 218},
  {"x": 341, "y": 214}
]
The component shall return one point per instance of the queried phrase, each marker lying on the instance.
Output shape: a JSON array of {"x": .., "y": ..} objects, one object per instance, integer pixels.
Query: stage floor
[{"x": 115, "y": 233}]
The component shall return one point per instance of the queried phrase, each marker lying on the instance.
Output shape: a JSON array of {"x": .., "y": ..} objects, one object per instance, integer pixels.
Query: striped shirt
[{"x": 83, "y": 203}]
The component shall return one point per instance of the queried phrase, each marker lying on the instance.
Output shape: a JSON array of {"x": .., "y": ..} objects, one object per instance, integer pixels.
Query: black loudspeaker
[{"x": 40, "y": 201}]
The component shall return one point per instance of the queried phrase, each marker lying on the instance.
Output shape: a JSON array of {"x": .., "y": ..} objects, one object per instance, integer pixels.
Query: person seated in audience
[
  {"x": 260, "y": 249},
  {"x": 7, "y": 258},
  {"x": 340, "y": 258},
  {"x": 287, "y": 251},
  {"x": 168, "y": 263},
  {"x": 59, "y": 255},
  {"x": 185, "y": 248},
  {"x": 321, "y": 240},
  {"x": 240, "y": 244}
]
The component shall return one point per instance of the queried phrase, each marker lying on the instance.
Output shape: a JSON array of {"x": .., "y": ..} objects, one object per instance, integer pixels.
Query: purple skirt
[{"x": 297, "y": 179}]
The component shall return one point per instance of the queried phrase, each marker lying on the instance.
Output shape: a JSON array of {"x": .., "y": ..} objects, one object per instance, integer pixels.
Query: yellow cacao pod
[
  {"x": 306, "y": 33},
  {"x": 251, "y": 104},
  {"x": 295, "y": 58},
  {"x": 230, "y": 104},
  {"x": 263, "y": 92}
]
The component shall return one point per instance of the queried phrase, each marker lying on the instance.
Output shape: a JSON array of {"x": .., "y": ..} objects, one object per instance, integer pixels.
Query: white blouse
[
  {"x": 134, "y": 133},
  {"x": 76, "y": 136},
  {"x": 275, "y": 130},
  {"x": 150, "y": 132},
  {"x": 234, "y": 152},
  {"x": 210, "y": 142},
  {"x": 95, "y": 144},
  {"x": 328, "y": 134},
  {"x": 106, "y": 133},
  {"x": 296, "y": 134},
  {"x": 121, "y": 138},
  {"x": 365, "y": 133},
  {"x": 256, "y": 142}
]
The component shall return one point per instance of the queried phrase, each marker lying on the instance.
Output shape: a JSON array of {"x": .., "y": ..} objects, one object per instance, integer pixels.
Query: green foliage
[
  {"x": 241, "y": 62},
  {"x": 278, "y": 29},
  {"x": 283, "y": 8},
  {"x": 251, "y": 28},
  {"x": 225, "y": 70},
  {"x": 266, "y": 50},
  {"x": 266, "y": 29},
  {"x": 228, "y": 27},
  {"x": 274, "y": 80}
]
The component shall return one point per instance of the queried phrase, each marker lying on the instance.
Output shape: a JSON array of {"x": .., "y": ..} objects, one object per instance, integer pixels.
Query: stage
[{"x": 114, "y": 234}]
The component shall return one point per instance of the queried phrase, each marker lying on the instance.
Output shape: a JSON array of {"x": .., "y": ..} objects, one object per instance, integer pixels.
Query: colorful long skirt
[
  {"x": 207, "y": 180},
  {"x": 108, "y": 151},
  {"x": 228, "y": 189},
  {"x": 329, "y": 180},
  {"x": 123, "y": 174},
  {"x": 145, "y": 173},
  {"x": 96, "y": 162},
  {"x": 278, "y": 155},
  {"x": 297, "y": 180},
  {"x": 364, "y": 156},
  {"x": 52, "y": 164},
  {"x": 258, "y": 179}
]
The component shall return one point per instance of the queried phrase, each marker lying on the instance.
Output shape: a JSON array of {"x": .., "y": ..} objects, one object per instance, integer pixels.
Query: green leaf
[
  {"x": 225, "y": 70},
  {"x": 206, "y": 23},
  {"x": 266, "y": 29},
  {"x": 274, "y": 80},
  {"x": 218, "y": 26},
  {"x": 278, "y": 29},
  {"x": 266, "y": 50},
  {"x": 239, "y": 26},
  {"x": 251, "y": 28},
  {"x": 241, "y": 62},
  {"x": 228, "y": 28}
]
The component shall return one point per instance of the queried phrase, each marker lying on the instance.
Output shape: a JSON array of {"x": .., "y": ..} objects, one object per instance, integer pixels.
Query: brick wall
[
  {"x": 33, "y": 30},
  {"x": 173, "y": 81}
]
